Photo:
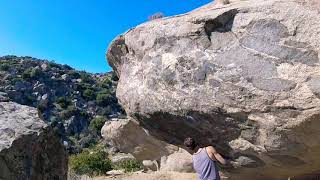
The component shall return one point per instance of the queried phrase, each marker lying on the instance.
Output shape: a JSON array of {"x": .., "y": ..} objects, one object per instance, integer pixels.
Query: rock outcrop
[
  {"x": 29, "y": 149},
  {"x": 244, "y": 76}
]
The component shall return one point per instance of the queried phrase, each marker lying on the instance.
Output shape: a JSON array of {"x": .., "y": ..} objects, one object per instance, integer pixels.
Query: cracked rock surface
[{"x": 244, "y": 76}]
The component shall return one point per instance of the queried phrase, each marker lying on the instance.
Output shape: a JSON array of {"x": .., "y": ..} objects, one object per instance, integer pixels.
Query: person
[
  {"x": 205, "y": 160},
  {"x": 310, "y": 176}
]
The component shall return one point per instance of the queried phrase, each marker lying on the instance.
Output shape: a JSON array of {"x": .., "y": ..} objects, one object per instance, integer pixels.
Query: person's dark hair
[{"x": 190, "y": 143}]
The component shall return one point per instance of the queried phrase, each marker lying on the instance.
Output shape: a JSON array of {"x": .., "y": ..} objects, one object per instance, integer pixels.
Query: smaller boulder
[
  {"x": 3, "y": 97},
  {"x": 180, "y": 161},
  {"x": 115, "y": 172},
  {"x": 129, "y": 137},
  {"x": 149, "y": 165}
]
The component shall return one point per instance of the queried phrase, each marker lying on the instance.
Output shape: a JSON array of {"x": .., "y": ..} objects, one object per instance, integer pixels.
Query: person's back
[
  {"x": 205, "y": 167},
  {"x": 205, "y": 160}
]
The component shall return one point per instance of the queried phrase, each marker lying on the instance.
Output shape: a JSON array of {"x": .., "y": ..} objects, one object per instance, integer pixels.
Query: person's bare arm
[{"x": 214, "y": 155}]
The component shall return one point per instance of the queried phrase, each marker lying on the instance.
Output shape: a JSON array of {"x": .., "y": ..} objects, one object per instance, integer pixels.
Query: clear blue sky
[{"x": 75, "y": 32}]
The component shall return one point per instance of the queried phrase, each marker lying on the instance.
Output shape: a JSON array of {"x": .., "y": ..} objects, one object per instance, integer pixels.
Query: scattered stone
[
  {"x": 115, "y": 172},
  {"x": 4, "y": 97},
  {"x": 149, "y": 165},
  {"x": 120, "y": 157}
]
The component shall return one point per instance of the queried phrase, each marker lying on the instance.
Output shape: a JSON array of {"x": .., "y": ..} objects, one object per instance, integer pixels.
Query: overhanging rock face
[
  {"x": 29, "y": 149},
  {"x": 243, "y": 76}
]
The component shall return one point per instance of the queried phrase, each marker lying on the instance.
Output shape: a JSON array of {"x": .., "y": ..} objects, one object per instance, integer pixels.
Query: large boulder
[
  {"x": 29, "y": 149},
  {"x": 129, "y": 137},
  {"x": 243, "y": 76}
]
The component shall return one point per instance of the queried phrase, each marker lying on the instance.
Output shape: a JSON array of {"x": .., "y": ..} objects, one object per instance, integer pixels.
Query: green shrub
[
  {"x": 97, "y": 123},
  {"x": 107, "y": 110},
  {"x": 73, "y": 74},
  {"x": 67, "y": 67},
  {"x": 90, "y": 163},
  {"x": 107, "y": 81},
  {"x": 70, "y": 111},
  {"x": 30, "y": 99},
  {"x": 128, "y": 165},
  {"x": 86, "y": 78},
  {"x": 32, "y": 74},
  {"x": 52, "y": 64},
  {"x": 53, "y": 121},
  {"x": 63, "y": 102},
  {"x": 26, "y": 74},
  {"x": 4, "y": 67},
  {"x": 104, "y": 98},
  {"x": 36, "y": 73},
  {"x": 83, "y": 113},
  {"x": 88, "y": 141},
  {"x": 89, "y": 94},
  {"x": 15, "y": 80},
  {"x": 83, "y": 86},
  {"x": 42, "y": 106}
]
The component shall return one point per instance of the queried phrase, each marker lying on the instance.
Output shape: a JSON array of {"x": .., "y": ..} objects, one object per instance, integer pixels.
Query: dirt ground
[{"x": 152, "y": 176}]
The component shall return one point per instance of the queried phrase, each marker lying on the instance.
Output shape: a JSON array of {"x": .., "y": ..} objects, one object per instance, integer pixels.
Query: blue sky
[{"x": 75, "y": 32}]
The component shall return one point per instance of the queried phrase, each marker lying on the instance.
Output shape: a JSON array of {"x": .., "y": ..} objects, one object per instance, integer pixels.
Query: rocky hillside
[
  {"x": 76, "y": 103},
  {"x": 244, "y": 76}
]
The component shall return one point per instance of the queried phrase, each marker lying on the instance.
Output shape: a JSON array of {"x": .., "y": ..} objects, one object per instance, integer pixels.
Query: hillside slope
[{"x": 66, "y": 98}]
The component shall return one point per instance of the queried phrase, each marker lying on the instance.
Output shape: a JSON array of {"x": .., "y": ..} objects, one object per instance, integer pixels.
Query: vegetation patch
[
  {"x": 97, "y": 123},
  {"x": 90, "y": 162},
  {"x": 128, "y": 165}
]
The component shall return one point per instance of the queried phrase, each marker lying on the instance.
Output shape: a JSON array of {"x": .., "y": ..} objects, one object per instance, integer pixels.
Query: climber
[
  {"x": 310, "y": 176},
  {"x": 205, "y": 160}
]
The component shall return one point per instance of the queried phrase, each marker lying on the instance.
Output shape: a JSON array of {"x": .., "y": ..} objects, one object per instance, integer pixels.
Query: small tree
[
  {"x": 4, "y": 67},
  {"x": 104, "y": 98},
  {"x": 26, "y": 74},
  {"x": 69, "y": 112},
  {"x": 89, "y": 94},
  {"x": 63, "y": 102},
  {"x": 97, "y": 123},
  {"x": 157, "y": 15}
]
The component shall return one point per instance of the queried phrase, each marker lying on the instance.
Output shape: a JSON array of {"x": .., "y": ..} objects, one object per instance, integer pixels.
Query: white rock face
[
  {"x": 28, "y": 147},
  {"x": 243, "y": 76}
]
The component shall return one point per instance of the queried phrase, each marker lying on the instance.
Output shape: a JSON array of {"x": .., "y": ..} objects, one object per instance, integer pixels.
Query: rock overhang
[{"x": 242, "y": 76}]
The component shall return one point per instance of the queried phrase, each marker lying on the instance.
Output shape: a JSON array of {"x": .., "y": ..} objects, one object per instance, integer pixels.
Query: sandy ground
[{"x": 153, "y": 176}]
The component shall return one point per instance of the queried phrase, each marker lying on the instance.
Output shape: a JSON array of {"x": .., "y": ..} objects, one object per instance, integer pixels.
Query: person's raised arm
[{"x": 213, "y": 154}]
